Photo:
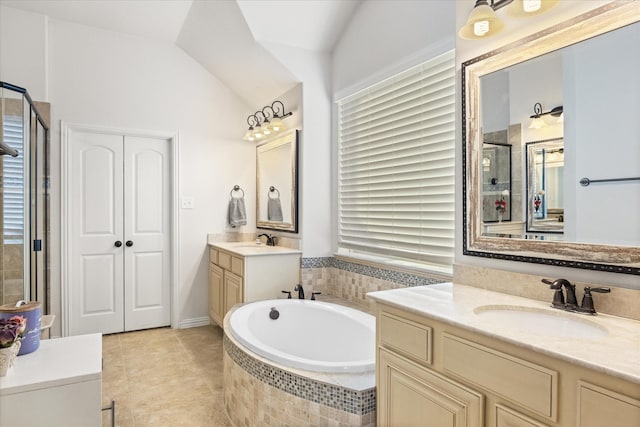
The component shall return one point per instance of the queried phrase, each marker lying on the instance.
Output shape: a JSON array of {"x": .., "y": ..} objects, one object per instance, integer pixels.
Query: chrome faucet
[
  {"x": 300, "y": 291},
  {"x": 271, "y": 240}
]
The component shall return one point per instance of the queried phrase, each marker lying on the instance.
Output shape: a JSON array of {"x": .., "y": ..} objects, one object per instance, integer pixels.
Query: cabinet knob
[
  {"x": 129, "y": 243},
  {"x": 117, "y": 244}
]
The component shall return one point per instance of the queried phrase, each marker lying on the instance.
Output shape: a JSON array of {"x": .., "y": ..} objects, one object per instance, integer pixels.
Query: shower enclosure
[{"x": 24, "y": 197}]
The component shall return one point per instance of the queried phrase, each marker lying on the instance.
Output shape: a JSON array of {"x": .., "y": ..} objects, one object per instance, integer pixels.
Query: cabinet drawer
[
  {"x": 404, "y": 336},
  {"x": 507, "y": 417},
  {"x": 213, "y": 256},
  {"x": 531, "y": 386},
  {"x": 598, "y": 406},
  {"x": 231, "y": 263},
  {"x": 237, "y": 265}
]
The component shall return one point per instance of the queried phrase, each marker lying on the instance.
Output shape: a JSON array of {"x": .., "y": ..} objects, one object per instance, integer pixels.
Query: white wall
[
  {"x": 468, "y": 49},
  {"x": 389, "y": 36},
  {"x": 313, "y": 69},
  {"x": 109, "y": 79},
  {"x": 23, "y": 51}
]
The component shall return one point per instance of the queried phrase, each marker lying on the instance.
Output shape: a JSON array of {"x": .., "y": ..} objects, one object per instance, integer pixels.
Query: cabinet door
[
  {"x": 599, "y": 407},
  {"x": 215, "y": 293},
  {"x": 232, "y": 291},
  {"x": 410, "y": 395}
]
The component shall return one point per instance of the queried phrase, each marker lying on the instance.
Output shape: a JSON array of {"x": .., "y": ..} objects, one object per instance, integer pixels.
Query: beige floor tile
[{"x": 164, "y": 377}]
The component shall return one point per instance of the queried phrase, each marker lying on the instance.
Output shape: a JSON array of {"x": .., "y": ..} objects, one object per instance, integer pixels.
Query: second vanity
[
  {"x": 246, "y": 272},
  {"x": 454, "y": 355}
]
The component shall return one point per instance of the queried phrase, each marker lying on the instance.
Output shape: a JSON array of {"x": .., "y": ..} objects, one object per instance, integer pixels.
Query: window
[
  {"x": 13, "y": 182},
  {"x": 396, "y": 166}
]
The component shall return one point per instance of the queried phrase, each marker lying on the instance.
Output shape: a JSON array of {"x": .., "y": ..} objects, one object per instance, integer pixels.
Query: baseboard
[{"x": 192, "y": 323}]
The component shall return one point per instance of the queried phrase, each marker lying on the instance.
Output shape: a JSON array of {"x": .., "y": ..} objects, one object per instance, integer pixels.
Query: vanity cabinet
[
  {"x": 242, "y": 273},
  {"x": 432, "y": 373}
]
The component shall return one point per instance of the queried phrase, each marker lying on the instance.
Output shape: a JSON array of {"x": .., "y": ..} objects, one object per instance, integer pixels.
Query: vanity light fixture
[
  {"x": 526, "y": 8},
  {"x": 266, "y": 121},
  {"x": 483, "y": 21},
  {"x": 536, "y": 119}
]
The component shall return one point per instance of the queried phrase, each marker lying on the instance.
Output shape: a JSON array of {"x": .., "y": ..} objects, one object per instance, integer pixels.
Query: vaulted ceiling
[{"x": 224, "y": 36}]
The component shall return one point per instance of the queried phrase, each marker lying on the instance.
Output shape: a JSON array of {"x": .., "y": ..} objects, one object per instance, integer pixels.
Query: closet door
[
  {"x": 147, "y": 233},
  {"x": 96, "y": 300}
]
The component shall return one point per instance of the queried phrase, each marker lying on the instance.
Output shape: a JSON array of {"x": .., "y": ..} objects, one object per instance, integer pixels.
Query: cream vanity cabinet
[
  {"x": 430, "y": 373},
  {"x": 245, "y": 272}
]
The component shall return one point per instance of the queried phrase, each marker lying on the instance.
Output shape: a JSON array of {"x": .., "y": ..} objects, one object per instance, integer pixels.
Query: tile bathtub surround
[
  {"x": 620, "y": 302},
  {"x": 258, "y": 393},
  {"x": 352, "y": 281},
  {"x": 168, "y": 377}
]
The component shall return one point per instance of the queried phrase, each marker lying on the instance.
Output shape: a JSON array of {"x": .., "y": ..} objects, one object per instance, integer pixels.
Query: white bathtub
[{"x": 310, "y": 335}]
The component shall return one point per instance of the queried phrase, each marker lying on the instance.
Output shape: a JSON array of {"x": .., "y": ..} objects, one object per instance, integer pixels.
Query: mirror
[
  {"x": 582, "y": 69},
  {"x": 545, "y": 186},
  {"x": 277, "y": 183}
]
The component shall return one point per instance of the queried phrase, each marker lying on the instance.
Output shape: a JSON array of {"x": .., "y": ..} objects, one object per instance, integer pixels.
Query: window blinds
[
  {"x": 396, "y": 165},
  {"x": 13, "y": 182}
]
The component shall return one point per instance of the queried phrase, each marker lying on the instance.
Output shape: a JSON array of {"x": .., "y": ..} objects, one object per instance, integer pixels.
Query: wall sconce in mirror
[
  {"x": 483, "y": 21},
  {"x": 538, "y": 122},
  {"x": 266, "y": 122}
]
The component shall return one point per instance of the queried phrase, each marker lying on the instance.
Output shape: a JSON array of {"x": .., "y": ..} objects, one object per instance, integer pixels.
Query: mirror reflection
[
  {"x": 496, "y": 182},
  {"x": 276, "y": 183},
  {"x": 549, "y": 110},
  {"x": 545, "y": 186}
]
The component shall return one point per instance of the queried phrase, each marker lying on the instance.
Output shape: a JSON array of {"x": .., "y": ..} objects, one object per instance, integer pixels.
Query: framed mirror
[
  {"x": 277, "y": 183},
  {"x": 581, "y": 72}
]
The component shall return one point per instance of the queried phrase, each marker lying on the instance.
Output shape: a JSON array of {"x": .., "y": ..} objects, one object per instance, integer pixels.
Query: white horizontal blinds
[
  {"x": 13, "y": 181},
  {"x": 396, "y": 165}
]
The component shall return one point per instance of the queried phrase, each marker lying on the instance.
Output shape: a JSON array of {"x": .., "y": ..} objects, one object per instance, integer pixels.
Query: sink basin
[{"x": 540, "y": 321}]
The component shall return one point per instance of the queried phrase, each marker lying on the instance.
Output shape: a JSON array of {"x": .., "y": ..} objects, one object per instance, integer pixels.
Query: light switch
[{"x": 187, "y": 203}]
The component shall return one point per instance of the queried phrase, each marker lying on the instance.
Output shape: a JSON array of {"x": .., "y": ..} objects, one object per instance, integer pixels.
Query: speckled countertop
[
  {"x": 253, "y": 249},
  {"x": 603, "y": 343}
]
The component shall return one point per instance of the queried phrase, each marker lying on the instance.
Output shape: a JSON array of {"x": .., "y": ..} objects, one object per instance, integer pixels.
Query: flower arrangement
[
  {"x": 537, "y": 199},
  {"x": 12, "y": 330},
  {"x": 501, "y": 203}
]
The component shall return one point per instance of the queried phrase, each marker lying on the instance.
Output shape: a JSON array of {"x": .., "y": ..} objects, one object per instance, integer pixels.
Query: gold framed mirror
[
  {"x": 277, "y": 183},
  {"x": 608, "y": 242}
]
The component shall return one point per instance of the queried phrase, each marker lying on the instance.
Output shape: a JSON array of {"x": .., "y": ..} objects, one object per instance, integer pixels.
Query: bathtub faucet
[{"x": 300, "y": 291}]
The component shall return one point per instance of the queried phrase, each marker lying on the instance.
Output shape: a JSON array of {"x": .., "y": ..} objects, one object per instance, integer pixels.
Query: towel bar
[
  {"x": 586, "y": 181},
  {"x": 236, "y": 188}
]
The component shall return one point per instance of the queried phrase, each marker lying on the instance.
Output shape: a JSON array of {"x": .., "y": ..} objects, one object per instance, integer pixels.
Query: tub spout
[{"x": 300, "y": 291}]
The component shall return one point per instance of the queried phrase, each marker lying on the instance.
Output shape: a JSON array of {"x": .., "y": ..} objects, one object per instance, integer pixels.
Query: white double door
[{"x": 120, "y": 242}]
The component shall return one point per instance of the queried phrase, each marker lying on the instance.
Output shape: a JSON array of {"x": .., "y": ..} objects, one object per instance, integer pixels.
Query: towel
[
  {"x": 237, "y": 212},
  {"x": 274, "y": 209}
]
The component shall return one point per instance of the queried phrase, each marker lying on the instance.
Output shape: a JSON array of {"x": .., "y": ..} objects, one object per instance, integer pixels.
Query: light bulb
[
  {"x": 480, "y": 28},
  {"x": 530, "y": 6}
]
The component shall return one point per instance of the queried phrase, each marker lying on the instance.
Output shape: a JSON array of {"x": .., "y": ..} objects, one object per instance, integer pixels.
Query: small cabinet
[
  {"x": 236, "y": 278},
  {"x": 599, "y": 407},
  {"x": 216, "y": 295},
  {"x": 411, "y": 395}
]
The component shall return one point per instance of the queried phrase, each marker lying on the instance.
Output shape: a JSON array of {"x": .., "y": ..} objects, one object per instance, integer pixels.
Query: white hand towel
[
  {"x": 237, "y": 212},
  {"x": 274, "y": 209}
]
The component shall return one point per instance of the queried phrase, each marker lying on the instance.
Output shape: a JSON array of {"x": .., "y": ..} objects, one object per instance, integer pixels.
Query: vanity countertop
[
  {"x": 251, "y": 248},
  {"x": 616, "y": 351}
]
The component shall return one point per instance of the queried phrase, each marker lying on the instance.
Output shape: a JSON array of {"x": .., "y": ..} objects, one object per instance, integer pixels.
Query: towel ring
[
  {"x": 273, "y": 189},
  {"x": 236, "y": 188}
]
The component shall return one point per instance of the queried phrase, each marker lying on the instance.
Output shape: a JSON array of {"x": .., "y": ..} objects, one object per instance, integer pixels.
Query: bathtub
[{"x": 310, "y": 335}]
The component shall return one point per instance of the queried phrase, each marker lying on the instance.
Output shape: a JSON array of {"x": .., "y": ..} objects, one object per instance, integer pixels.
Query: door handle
[
  {"x": 129, "y": 243},
  {"x": 117, "y": 244}
]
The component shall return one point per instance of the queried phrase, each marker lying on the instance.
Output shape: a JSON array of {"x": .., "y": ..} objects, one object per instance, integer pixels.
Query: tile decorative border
[
  {"x": 333, "y": 396},
  {"x": 319, "y": 262},
  {"x": 406, "y": 279}
]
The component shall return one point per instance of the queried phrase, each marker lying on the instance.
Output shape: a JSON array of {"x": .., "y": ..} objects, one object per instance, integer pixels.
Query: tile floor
[{"x": 164, "y": 377}]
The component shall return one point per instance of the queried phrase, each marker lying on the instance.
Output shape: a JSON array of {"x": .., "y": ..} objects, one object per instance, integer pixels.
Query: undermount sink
[{"x": 549, "y": 322}]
